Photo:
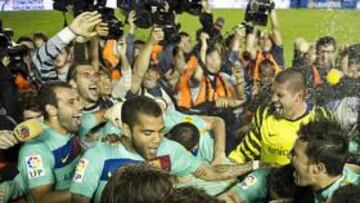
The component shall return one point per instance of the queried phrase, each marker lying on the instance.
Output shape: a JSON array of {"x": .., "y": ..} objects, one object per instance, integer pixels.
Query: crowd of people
[{"x": 92, "y": 118}]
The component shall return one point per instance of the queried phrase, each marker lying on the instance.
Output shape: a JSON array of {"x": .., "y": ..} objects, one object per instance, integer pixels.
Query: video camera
[
  {"x": 147, "y": 11},
  {"x": 114, "y": 24},
  {"x": 15, "y": 52},
  {"x": 108, "y": 16},
  {"x": 192, "y": 7},
  {"x": 152, "y": 12},
  {"x": 257, "y": 11}
]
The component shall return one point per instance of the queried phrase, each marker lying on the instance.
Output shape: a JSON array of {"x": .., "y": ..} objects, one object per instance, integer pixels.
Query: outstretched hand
[{"x": 85, "y": 23}]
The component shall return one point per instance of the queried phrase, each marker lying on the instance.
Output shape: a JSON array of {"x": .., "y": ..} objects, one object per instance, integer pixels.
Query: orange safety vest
[
  {"x": 116, "y": 74},
  {"x": 207, "y": 92},
  {"x": 259, "y": 59},
  {"x": 108, "y": 53},
  {"x": 183, "y": 88},
  {"x": 21, "y": 83}
]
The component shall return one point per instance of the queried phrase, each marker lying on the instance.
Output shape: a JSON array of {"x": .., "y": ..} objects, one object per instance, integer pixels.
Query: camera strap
[{"x": 65, "y": 20}]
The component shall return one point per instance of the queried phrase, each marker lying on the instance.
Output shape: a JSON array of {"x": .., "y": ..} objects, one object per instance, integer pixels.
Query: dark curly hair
[{"x": 327, "y": 143}]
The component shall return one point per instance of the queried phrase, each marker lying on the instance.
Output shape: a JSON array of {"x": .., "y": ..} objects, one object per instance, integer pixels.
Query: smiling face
[
  {"x": 69, "y": 108},
  {"x": 87, "y": 83},
  {"x": 147, "y": 134},
  {"x": 303, "y": 173},
  {"x": 284, "y": 100}
]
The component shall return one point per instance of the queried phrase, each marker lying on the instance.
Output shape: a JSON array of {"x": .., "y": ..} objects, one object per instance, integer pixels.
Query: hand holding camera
[
  {"x": 204, "y": 37},
  {"x": 257, "y": 11},
  {"x": 238, "y": 73},
  {"x": 131, "y": 21},
  {"x": 102, "y": 29},
  {"x": 157, "y": 35}
]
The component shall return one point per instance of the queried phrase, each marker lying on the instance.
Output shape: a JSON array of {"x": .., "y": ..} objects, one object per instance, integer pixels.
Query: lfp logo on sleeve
[
  {"x": 34, "y": 166},
  {"x": 80, "y": 170}
]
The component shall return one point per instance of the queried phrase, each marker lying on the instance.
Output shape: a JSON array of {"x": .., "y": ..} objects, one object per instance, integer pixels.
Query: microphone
[{"x": 28, "y": 130}]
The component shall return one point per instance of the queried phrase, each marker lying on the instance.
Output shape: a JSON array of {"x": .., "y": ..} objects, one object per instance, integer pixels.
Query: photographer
[
  {"x": 8, "y": 93},
  {"x": 213, "y": 85},
  {"x": 270, "y": 46},
  {"x": 146, "y": 79},
  {"x": 130, "y": 37},
  {"x": 45, "y": 56}
]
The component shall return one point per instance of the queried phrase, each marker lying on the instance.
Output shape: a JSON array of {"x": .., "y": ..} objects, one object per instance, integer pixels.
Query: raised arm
[
  {"x": 275, "y": 28},
  {"x": 198, "y": 74},
  {"x": 251, "y": 44},
  {"x": 130, "y": 36},
  {"x": 83, "y": 25},
  {"x": 124, "y": 84},
  {"x": 143, "y": 60}
]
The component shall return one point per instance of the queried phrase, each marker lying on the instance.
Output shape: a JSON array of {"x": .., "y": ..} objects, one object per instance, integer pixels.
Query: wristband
[{"x": 255, "y": 164}]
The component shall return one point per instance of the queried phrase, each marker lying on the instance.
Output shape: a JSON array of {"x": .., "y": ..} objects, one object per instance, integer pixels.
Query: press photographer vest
[
  {"x": 261, "y": 57},
  {"x": 316, "y": 76},
  {"x": 210, "y": 90}
]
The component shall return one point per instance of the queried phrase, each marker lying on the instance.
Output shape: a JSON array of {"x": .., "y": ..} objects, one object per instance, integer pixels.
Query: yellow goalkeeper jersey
[{"x": 270, "y": 139}]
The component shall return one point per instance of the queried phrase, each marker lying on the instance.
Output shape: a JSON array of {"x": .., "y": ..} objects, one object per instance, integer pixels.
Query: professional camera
[
  {"x": 115, "y": 26},
  {"x": 61, "y": 5},
  {"x": 149, "y": 11},
  {"x": 257, "y": 11},
  {"x": 16, "y": 54},
  {"x": 193, "y": 7}
]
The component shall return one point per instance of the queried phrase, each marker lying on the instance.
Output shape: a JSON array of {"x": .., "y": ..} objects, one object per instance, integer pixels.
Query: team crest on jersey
[
  {"x": 80, "y": 170},
  {"x": 162, "y": 162},
  {"x": 248, "y": 181},
  {"x": 34, "y": 166}
]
